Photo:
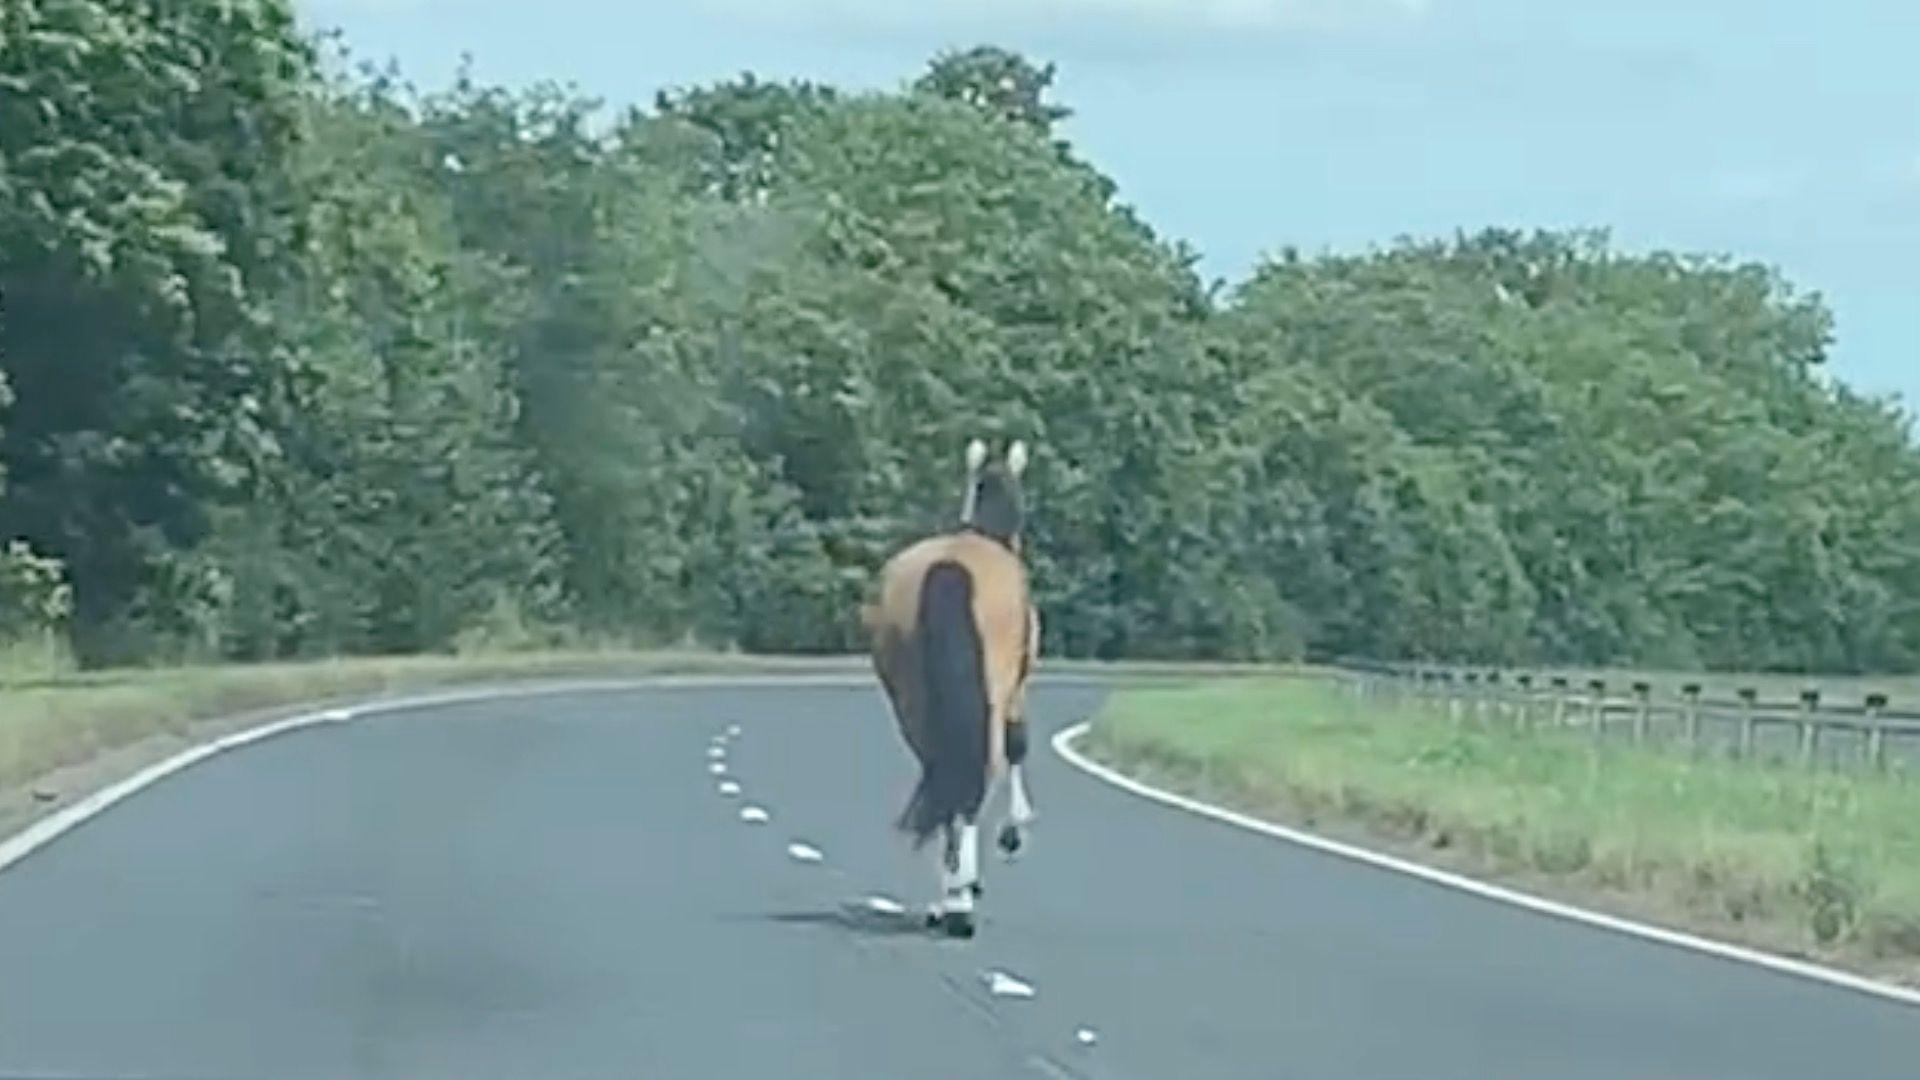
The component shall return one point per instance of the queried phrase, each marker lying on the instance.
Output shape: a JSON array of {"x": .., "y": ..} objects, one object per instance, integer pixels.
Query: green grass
[{"x": 1819, "y": 864}]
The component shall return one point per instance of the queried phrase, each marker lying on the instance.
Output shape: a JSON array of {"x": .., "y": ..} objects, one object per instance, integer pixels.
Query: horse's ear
[
  {"x": 1017, "y": 457},
  {"x": 976, "y": 457}
]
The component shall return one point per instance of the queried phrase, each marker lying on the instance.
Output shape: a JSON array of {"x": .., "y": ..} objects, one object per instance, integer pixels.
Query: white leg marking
[
  {"x": 969, "y": 873},
  {"x": 969, "y": 854},
  {"x": 956, "y": 885},
  {"x": 1020, "y": 812}
]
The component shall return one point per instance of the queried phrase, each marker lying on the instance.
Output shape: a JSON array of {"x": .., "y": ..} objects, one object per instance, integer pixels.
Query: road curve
[{"x": 552, "y": 887}]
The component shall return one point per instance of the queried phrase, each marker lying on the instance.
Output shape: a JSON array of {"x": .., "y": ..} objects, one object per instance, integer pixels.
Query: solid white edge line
[
  {"x": 44, "y": 831},
  {"x": 1064, "y": 739}
]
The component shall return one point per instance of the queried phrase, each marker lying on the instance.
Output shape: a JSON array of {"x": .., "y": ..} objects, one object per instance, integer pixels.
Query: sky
[{"x": 1787, "y": 133}]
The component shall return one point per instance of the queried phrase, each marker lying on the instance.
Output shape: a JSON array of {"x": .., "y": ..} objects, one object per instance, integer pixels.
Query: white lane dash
[
  {"x": 754, "y": 815},
  {"x": 1001, "y": 984},
  {"x": 717, "y": 753},
  {"x": 804, "y": 853},
  {"x": 733, "y": 731},
  {"x": 1086, "y": 1036},
  {"x": 717, "y": 768},
  {"x": 728, "y": 788},
  {"x": 885, "y": 905}
]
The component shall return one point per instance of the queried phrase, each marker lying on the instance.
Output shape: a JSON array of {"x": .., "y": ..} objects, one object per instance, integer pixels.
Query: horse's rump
[{"x": 951, "y": 647}]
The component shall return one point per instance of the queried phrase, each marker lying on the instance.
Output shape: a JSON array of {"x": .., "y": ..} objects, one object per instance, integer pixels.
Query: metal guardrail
[{"x": 1818, "y": 730}]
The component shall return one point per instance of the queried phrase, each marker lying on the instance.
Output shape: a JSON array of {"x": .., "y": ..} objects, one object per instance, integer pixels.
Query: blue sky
[{"x": 1784, "y": 132}]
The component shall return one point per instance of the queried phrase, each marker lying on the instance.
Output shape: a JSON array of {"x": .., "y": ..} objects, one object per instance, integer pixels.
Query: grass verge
[{"x": 1818, "y": 865}]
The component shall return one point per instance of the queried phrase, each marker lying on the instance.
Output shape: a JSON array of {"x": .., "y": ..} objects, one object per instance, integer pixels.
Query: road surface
[{"x": 553, "y": 887}]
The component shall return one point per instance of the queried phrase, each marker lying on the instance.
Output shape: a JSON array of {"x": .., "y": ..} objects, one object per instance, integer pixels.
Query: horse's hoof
[
  {"x": 958, "y": 924},
  {"x": 1009, "y": 839}
]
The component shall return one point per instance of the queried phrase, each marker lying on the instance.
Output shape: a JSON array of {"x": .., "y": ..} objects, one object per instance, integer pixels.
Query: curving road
[{"x": 552, "y": 887}]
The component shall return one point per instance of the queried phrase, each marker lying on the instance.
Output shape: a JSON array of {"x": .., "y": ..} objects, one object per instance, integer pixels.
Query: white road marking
[
  {"x": 733, "y": 731},
  {"x": 1001, "y": 984},
  {"x": 1086, "y": 1036},
  {"x": 1064, "y": 739},
  {"x": 717, "y": 768},
  {"x": 754, "y": 815},
  {"x": 728, "y": 788},
  {"x": 717, "y": 753},
  {"x": 804, "y": 853},
  {"x": 885, "y": 905}
]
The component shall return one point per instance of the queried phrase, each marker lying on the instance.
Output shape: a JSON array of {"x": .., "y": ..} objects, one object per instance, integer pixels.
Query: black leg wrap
[{"x": 1016, "y": 743}]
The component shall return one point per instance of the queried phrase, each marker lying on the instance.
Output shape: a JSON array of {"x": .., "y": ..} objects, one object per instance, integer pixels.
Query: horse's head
[{"x": 994, "y": 505}]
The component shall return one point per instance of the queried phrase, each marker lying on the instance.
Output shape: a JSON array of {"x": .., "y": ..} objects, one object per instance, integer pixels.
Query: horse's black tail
[{"x": 953, "y": 774}]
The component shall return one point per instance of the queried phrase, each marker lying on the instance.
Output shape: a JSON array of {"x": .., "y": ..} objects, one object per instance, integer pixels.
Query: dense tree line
[{"x": 295, "y": 360}]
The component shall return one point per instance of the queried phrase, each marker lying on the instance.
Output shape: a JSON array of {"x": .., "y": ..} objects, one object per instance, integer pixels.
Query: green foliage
[
  {"x": 34, "y": 595},
  {"x": 1644, "y": 466},
  {"x": 140, "y": 213},
  {"x": 1001, "y": 83},
  {"x": 303, "y": 363}
]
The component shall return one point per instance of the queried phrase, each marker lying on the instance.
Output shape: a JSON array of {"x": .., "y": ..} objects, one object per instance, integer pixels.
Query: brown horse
[{"x": 955, "y": 638}]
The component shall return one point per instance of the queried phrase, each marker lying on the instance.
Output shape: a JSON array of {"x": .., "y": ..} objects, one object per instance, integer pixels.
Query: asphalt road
[{"x": 552, "y": 887}]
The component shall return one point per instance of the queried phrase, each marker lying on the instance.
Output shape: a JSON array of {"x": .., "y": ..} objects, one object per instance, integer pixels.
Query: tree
[
  {"x": 140, "y": 208},
  {"x": 1000, "y": 83},
  {"x": 307, "y": 363}
]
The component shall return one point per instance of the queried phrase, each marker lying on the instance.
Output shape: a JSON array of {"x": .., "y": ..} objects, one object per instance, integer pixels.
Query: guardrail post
[
  {"x": 1876, "y": 732},
  {"x": 1809, "y": 730},
  {"x": 1643, "y": 710},
  {"x": 1598, "y": 687},
  {"x": 1525, "y": 683},
  {"x": 1474, "y": 700},
  {"x": 1559, "y": 700},
  {"x": 1690, "y": 693},
  {"x": 1748, "y": 697},
  {"x": 1494, "y": 695},
  {"x": 1453, "y": 703}
]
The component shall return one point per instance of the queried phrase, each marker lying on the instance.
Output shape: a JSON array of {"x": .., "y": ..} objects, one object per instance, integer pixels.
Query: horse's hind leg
[
  {"x": 959, "y": 878},
  {"x": 1019, "y": 806}
]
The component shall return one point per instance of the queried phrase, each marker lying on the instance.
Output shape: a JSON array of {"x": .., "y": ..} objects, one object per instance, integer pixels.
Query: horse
[{"x": 955, "y": 637}]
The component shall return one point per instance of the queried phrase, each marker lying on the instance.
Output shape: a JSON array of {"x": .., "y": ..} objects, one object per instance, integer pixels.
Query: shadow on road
[{"x": 854, "y": 919}]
